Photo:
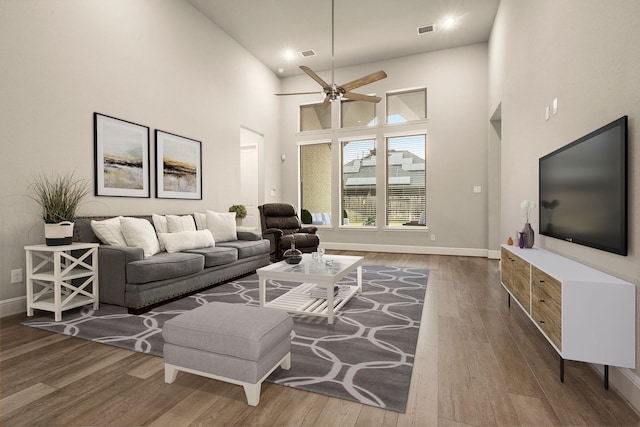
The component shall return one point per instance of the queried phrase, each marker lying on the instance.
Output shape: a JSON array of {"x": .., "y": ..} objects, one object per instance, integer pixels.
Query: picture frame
[
  {"x": 178, "y": 167},
  {"x": 121, "y": 158}
]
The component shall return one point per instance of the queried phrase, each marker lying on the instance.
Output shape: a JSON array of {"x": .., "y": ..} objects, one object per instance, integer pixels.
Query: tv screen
[{"x": 583, "y": 190}]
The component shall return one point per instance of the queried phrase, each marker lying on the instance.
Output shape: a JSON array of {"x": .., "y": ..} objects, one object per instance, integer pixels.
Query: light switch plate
[{"x": 16, "y": 276}]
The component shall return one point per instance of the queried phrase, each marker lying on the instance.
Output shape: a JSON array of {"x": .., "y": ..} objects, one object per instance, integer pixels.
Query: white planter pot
[{"x": 58, "y": 234}]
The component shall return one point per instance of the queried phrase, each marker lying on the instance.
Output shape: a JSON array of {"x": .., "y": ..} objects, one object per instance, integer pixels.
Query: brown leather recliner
[{"x": 281, "y": 226}]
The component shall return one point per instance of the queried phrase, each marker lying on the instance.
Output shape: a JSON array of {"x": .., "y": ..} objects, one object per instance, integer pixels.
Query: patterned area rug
[{"x": 366, "y": 356}]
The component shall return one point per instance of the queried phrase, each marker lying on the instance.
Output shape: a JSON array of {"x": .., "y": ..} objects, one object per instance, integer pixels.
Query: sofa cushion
[
  {"x": 159, "y": 223},
  {"x": 216, "y": 255},
  {"x": 177, "y": 223},
  {"x": 139, "y": 233},
  {"x": 164, "y": 266},
  {"x": 222, "y": 225},
  {"x": 109, "y": 231},
  {"x": 201, "y": 220},
  {"x": 248, "y": 248},
  {"x": 185, "y": 240}
]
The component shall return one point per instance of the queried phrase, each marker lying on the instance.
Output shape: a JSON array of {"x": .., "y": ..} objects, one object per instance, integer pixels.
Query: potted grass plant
[{"x": 59, "y": 197}]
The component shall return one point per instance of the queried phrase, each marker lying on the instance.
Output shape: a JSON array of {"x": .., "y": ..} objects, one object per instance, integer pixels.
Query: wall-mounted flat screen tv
[{"x": 583, "y": 190}]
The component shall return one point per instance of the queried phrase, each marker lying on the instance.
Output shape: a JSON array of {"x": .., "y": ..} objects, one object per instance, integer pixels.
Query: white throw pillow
[
  {"x": 201, "y": 220},
  {"x": 139, "y": 233},
  {"x": 177, "y": 223},
  {"x": 184, "y": 240},
  {"x": 109, "y": 231},
  {"x": 160, "y": 223},
  {"x": 222, "y": 225}
]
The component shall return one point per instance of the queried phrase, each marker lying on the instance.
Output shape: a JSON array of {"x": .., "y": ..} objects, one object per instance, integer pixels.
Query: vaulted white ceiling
[{"x": 365, "y": 30}]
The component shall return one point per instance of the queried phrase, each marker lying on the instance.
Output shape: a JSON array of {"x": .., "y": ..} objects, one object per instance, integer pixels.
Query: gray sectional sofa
[{"x": 127, "y": 278}]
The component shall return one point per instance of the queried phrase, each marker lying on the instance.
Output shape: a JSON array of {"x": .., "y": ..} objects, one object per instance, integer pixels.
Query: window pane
[
  {"x": 312, "y": 117},
  {"x": 406, "y": 180},
  {"x": 359, "y": 181},
  {"x": 357, "y": 113},
  {"x": 315, "y": 185},
  {"x": 407, "y": 106}
]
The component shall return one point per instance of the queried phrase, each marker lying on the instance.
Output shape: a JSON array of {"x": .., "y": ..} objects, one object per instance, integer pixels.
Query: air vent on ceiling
[
  {"x": 425, "y": 29},
  {"x": 307, "y": 53}
]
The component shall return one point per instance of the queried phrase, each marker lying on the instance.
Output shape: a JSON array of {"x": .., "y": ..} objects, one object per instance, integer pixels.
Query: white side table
[{"x": 63, "y": 277}]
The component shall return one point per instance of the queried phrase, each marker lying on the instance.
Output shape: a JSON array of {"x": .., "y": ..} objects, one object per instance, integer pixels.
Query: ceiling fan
[{"x": 333, "y": 92}]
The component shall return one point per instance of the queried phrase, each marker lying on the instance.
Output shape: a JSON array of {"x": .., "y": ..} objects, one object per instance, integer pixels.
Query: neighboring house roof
[{"x": 405, "y": 169}]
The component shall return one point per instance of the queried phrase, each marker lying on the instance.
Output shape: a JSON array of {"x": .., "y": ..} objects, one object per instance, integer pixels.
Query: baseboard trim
[
  {"x": 421, "y": 250},
  {"x": 9, "y": 307},
  {"x": 625, "y": 382},
  {"x": 493, "y": 254}
]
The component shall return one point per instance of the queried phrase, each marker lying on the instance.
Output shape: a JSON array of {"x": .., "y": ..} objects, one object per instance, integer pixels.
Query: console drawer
[{"x": 546, "y": 304}]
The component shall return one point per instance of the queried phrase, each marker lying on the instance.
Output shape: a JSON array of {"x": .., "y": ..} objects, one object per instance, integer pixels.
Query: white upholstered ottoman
[{"x": 228, "y": 342}]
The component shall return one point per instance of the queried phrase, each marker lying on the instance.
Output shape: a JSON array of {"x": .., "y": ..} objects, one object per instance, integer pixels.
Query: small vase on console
[{"x": 528, "y": 235}]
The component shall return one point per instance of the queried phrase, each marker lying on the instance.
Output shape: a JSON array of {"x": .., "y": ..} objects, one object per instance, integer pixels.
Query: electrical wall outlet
[
  {"x": 16, "y": 275},
  {"x": 433, "y": 237}
]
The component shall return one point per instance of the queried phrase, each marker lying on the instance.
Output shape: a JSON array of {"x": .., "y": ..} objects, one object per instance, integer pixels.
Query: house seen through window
[
  {"x": 406, "y": 180},
  {"x": 359, "y": 181},
  {"x": 368, "y": 157}
]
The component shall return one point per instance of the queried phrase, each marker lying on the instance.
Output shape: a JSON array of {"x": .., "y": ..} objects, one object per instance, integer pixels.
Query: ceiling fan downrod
[{"x": 333, "y": 92}]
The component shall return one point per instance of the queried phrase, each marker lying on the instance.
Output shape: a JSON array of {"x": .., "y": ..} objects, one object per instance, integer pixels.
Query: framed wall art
[
  {"x": 178, "y": 167},
  {"x": 122, "y": 162}
]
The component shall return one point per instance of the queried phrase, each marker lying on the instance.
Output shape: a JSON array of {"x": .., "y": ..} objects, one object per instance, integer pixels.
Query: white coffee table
[{"x": 316, "y": 276}]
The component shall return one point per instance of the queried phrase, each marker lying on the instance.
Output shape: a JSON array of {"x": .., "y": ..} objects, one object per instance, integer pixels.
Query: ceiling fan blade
[
  {"x": 360, "y": 97},
  {"x": 325, "y": 103},
  {"x": 315, "y": 77},
  {"x": 297, "y": 93},
  {"x": 373, "y": 77}
]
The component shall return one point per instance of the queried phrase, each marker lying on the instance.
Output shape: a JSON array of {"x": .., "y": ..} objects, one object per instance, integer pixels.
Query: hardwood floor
[{"x": 478, "y": 363}]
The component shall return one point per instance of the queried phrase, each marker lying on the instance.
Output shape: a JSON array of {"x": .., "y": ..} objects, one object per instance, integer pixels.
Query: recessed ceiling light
[
  {"x": 449, "y": 22},
  {"x": 289, "y": 54},
  {"x": 281, "y": 70}
]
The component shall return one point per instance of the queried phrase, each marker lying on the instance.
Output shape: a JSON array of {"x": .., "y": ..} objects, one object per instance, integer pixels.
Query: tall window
[
  {"x": 357, "y": 113},
  {"x": 359, "y": 181},
  {"x": 406, "y": 180},
  {"x": 313, "y": 117},
  {"x": 315, "y": 183},
  {"x": 407, "y": 106}
]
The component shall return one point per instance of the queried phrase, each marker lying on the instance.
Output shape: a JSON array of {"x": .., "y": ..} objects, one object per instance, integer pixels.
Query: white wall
[
  {"x": 582, "y": 52},
  {"x": 457, "y": 147},
  {"x": 159, "y": 63}
]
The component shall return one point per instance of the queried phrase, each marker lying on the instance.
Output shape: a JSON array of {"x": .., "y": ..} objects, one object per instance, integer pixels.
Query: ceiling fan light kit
[{"x": 333, "y": 92}]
